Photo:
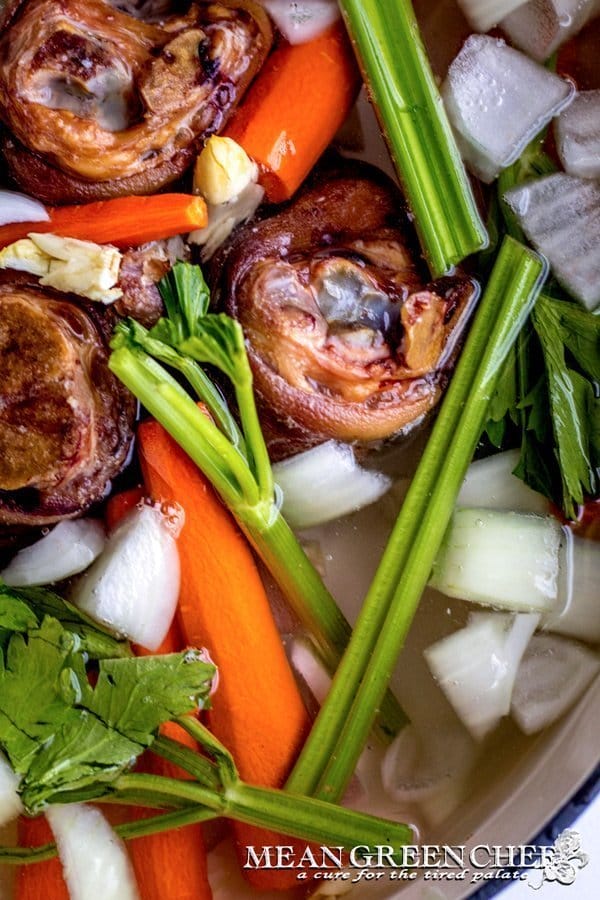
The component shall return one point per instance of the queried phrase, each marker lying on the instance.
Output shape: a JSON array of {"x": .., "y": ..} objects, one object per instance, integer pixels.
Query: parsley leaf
[
  {"x": 549, "y": 388},
  {"x": 572, "y": 358},
  {"x": 97, "y": 641},
  {"x": 63, "y": 731}
]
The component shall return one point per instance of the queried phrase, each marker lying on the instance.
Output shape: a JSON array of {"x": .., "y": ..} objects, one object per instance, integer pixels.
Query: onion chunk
[
  {"x": 578, "y": 135},
  {"x": 95, "y": 861},
  {"x": 67, "y": 550},
  {"x": 326, "y": 483},
  {"x": 560, "y": 214},
  {"x": 476, "y": 667},
  {"x": 552, "y": 676},
  {"x": 497, "y": 101},
  {"x": 300, "y": 21},
  {"x": 134, "y": 584},
  {"x": 539, "y": 27},
  {"x": 15, "y": 207}
]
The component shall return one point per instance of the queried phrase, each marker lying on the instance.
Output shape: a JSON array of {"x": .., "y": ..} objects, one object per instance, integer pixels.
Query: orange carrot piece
[
  {"x": 258, "y": 712},
  {"x": 293, "y": 109},
  {"x": 120, "y": 504},
  {"x": 124, "y": 221},
  {"x": 41, "y": 881},
  {"x": 172, "y": 863}
]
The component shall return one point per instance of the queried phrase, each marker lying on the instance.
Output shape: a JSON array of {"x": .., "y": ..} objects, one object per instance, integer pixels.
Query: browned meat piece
[
  {"x": 141, "y": 270},
  {"x": 65, "y": 420},
  {"x": 345, "y": 339},
  {"x": 99, "y": 103}
]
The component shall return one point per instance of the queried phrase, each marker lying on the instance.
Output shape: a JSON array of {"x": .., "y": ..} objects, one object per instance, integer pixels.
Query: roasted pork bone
[
  {"x": 65, "y": 420},
  {"x": 346, "y": 340},
  {"x": 98, "y": 103}
]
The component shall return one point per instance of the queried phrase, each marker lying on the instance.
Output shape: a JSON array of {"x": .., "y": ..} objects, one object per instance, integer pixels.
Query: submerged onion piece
[
  {"x": 560, "y": 214},
  {"x": 504, "y": 559},
  {"x": 345, "y": 337},
  {"x": 578, "y": 135},
  {"x": 552, "y": 676},
  {"x": 578, "y": 616},
  {"x": 539, "y": 27},
  {"x": 497, "y": 101},
  {"x": 15, "y": 207},
  {"x": 484, "y": 14},
  {"x": 490, "y": 484},
  {"x": 326, "y": 483},
  {"x": 306, "y": 662},
  {"x": 300, "y": 21},
  {"x": 10, "y": 800},
  {"x": 133, "y": 586},
  {"x": 476, "y": 667},
  {"x": 415, "y": 768},
  {"x": 68, "y": 549},
  {"x": 95, "y": 861}
]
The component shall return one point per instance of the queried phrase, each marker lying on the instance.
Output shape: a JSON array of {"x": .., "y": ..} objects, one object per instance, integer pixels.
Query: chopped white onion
[
  {"x": 414, "y": 768},
  {"x": 539, "y": 27},
  {"x": 94, "y": 859},
  {"x": 579, "y": 615},
  {"x": 552, "y": 676},
  {"x": 560, "y": 214},
  {"x": 497, "y": 100},
  {"x": 578, "y": 135},
  {"x": 306, "y": 662},
  {"x": 134, "y": 584},
  {"x": 484, "y": 14},
  {"x": 300, "y": 21},
  {"x": 10, "y": 801},
  {"x": 15, "y": 207},
  {"x": 490, "y": 484},
  {"x": 476, "y": 666},
  {"x": 325, "y": 483},
  {"x": 69, "y": 548},
  {"x": 503, "y": 559}
]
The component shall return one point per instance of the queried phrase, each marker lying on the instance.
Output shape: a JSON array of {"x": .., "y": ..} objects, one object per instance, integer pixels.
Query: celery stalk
[
  {"x": 216, "y": 789},
  {"x": 341, "y": 729},
  {"x": 402, "y": 85},
  {"x": 236, "y": 462}
]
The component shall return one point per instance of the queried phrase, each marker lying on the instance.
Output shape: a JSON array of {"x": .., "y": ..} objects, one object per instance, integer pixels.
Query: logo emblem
[{"x": 561, "y": 862}]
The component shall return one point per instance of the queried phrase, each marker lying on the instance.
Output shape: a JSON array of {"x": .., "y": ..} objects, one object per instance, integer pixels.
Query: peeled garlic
[{"x": 223, "y": 170}]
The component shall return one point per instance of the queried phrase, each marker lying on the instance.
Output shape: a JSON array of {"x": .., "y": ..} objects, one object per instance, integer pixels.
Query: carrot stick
[
  {"x": 120, "y": 504},
  {"x": 44, "y": 880},
  {"x": 171, "y": 864},
  {"x": 124, "y": 221},
  {"x": 294, "y": 108},
  {"x": 257, "y": 712}
]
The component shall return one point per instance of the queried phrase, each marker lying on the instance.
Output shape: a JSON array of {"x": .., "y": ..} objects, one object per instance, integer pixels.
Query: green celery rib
[
  {"x": 257, "y": 515},
  {"x": 341, "y": 729},
  {"x": 408, "y": 103}
]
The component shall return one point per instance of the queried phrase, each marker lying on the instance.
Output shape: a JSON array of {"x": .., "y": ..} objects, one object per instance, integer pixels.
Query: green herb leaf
[
  {"x": 219, "y": 341},
  {"x": 566, "y": 331},
  {"x": 134, "y": 696},
  {"x": 114, "y": 721},
  {"x": 60, "y": 731},
  {"x": 33, "y": 703},
  {"x": 186, "y": 298},
  {"x": 96, "y": 640}
]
